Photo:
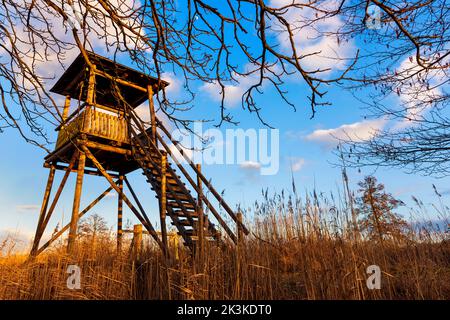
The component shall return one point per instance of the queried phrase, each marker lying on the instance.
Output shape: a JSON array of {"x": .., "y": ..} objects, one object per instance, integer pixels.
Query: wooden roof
[{"x": 74, "y": 82}]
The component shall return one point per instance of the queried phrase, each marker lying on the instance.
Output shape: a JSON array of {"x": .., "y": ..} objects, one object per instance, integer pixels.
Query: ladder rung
[
  {"x": 184, "y": 222},
  {"x": 169, "y": 181},
  {"x": 175, "y": 204},
  {"x": 179, "y": 196},
  {"x": 180, "y": 213},
  {"x": 176, "y": 189}
]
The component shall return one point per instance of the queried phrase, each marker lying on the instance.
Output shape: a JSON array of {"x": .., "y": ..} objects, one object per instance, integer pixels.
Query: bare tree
[
  {"x": 262, "y": 44},
  {"x": 93, "y": 227},
  {"x": 423, "y": 148},
  {"x": 411, "y": 91}
]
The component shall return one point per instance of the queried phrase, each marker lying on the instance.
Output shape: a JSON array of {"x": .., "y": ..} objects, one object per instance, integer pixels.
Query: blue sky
[
  {"x": 305, "y": 152},
  {"x": 24, "y": 178}
]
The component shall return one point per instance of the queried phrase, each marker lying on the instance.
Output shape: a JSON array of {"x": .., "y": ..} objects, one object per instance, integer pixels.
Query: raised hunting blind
[{"x": 105, "y": 137}]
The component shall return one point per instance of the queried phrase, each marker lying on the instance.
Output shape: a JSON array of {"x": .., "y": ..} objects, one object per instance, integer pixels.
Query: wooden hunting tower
[{"x": 105, "y": 137}]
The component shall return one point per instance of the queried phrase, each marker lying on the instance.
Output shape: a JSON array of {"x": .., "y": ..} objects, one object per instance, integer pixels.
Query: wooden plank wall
[{"x": 96, "y": 123}]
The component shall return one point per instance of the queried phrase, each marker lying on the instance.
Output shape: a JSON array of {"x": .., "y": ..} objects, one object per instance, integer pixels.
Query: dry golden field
[{"x": 296, "y": 250}]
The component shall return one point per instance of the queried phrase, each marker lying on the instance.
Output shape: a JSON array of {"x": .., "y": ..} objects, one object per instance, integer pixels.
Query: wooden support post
[
  {"x": 137, "y": 241},
  {"x": 152, "y": 113},
  {"x": 201, "y": 221},
  {"x": 39, "y": 231},
  {"x": 66, "y": 108},
  {"x": 176, "y": 243},
  {"x": 76, "y": 203},
  {"x": 120, "y": 213},
  {"x": 163, "y": 202}
]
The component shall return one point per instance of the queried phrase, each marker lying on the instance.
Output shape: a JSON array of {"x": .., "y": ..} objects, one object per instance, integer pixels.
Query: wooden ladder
[{"x": 184, "y": 210}]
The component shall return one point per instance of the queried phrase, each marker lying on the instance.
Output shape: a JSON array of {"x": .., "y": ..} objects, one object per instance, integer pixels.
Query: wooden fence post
[
  {"x": 120, "y": 214},
  {"x": 137, "y": 241},
  {"x": 163, "y": 203},
  {"x": 200, "y": 226},
  {"x": 240, "y": 231},
  {"x": 176, "y": 244},
  {"x": 66, "y": 108}
]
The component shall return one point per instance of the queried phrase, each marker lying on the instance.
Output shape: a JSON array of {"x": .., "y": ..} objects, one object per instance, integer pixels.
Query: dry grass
[{"x": 297, "y": 250}]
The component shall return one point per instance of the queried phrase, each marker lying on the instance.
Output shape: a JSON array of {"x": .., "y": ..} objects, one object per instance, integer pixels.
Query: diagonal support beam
[
  {"x": 48, "y": 189},
  {"x": 135, "y": 198},
  {"x": 60, "y": 189},
  {"x": 147, "y": 225},
  {"x": 81, "y": 214},
  {"x": 45, "y": 216}
]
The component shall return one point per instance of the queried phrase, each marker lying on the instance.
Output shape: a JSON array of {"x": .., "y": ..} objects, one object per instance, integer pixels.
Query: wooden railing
[
  {"x": 95, "y": 123},
  {"x": 201, "y": 177},
  {"x": 158, "y": 139}
]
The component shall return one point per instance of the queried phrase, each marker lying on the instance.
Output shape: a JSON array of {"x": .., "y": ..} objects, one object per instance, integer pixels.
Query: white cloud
[
  {"x": 235, "y": 90},
  {"x": 358, "y": 131},
  {"x": 14, "y": 241},
  {"x": 143, "y": 112},
  {"x": 48, "y": 66},
  {"x": 312, "y": 38},
  {"x": 233, "y": 93},
  {"x": 28, "y": 207},
  {"x": 178, "y": 156},
  {"x": 418, "y": 90},
  {"x": 294, "y": 135},
  {"x": 331, "y": 53},
  {"x": 111, "y": 195},
  {"x": 174, "y": 83},
  {"x": 296, "y": 164},
  {"x": 250, "y": 165},
  {"x": 251, "y": 172}
]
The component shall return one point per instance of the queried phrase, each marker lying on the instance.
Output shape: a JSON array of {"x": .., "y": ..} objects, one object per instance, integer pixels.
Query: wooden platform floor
[{"x": 117, "y": 158}]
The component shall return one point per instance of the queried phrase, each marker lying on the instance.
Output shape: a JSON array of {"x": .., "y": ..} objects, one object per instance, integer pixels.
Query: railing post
[
  {"x": 137, "y": 241},
  {"x": 205, "y": 181},
  {"x": 176, "y": 242},
  {"x": 152, "y": 113},
  {"x": 200, "y": 227},
  {"x": 163, "y": 202},
  {"x": 66, "y": 108}
]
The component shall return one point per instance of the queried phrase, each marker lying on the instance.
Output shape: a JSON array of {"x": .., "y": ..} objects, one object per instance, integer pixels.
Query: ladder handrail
[
  {"x": 153, "y": 145},
  {"x": 202, "y": 177},
  {"x": 204, "y": 198}
]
